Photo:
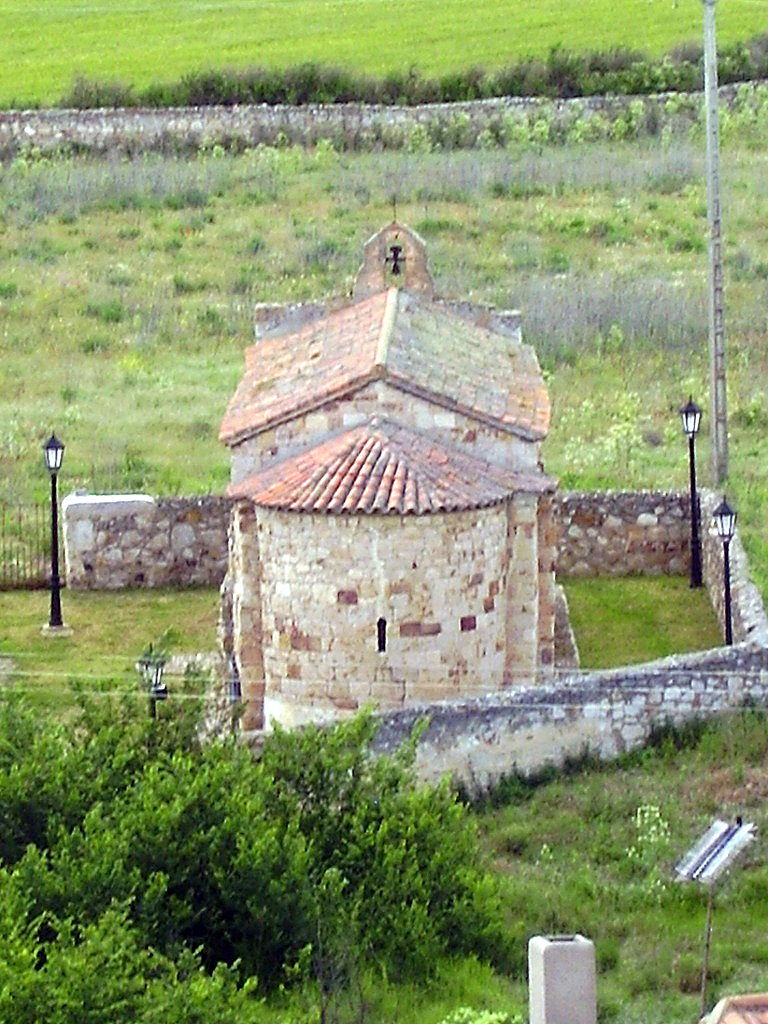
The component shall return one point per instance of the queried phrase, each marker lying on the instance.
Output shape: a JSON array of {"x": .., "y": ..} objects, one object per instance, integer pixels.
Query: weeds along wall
[
  {"x": 483, "y": 123},
  {"x": 603, "y": 713}
]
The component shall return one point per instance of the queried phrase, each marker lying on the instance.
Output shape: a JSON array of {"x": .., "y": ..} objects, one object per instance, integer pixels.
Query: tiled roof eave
[{"x": 546, "y": 485}]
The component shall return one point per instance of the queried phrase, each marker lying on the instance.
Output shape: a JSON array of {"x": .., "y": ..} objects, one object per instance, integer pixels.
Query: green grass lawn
[
  {"x": 619, "y": 621},
  {"x": 109, "y": 631},
  {"x": 616, "y": 622},
  {"x": 577, "y": 857},
  {"x": 47, "y": 43}
]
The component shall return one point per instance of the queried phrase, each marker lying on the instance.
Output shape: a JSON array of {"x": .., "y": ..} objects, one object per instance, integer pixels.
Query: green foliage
[
  {"x": 125, "y": 843},
  {"x": 562, "y": 74}
]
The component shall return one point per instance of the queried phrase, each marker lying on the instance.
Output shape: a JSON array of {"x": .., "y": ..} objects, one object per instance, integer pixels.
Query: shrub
[
  {"x": 118, "y": 818},
  {"x": 562, "y": 74}
]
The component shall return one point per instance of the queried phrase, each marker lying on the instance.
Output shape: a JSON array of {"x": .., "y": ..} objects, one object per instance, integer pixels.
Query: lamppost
[
  {"x": 151, "y": 666},
  {"x": 53, "y": 450},
  {"x": 690, "y": 414},
  {"x": 724, "y": 521}
]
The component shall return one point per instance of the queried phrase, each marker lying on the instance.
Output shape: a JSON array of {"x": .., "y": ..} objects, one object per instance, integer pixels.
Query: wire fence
[{"x": 25, "y": 545}]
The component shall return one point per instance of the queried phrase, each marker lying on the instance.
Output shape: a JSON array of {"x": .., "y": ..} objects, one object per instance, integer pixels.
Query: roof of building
[
  {"x": 749, "y": 1009},
  {"x": 382, "y": 467},
  {"x": 417, "y": 346}
]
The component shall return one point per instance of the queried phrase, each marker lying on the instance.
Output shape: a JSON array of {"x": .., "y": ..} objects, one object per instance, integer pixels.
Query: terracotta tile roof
[
  {"x": 478, "y": 371},
  {"x": 418, "y": 347},
  {"x": 381, "y": 467},
  {"x": 292, "y": 373},
  {"x": 750, "y": 1009}
]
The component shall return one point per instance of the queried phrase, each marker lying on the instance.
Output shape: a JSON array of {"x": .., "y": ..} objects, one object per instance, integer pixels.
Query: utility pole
[{"x": 717, "y": 389}]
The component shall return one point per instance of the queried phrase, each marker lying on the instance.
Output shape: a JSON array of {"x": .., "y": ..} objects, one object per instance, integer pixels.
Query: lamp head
[
  {"x": 690, "y": 414},
  {"x": 53, "y": 451},
  {"x": 724, "y": 520}
]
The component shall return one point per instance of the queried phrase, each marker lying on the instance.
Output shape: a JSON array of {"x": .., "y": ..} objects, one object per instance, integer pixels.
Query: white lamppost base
[{"x": 53, "y": 632}]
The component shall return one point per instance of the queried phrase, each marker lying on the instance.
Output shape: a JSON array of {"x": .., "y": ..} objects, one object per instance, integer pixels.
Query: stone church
[{"x": 391, "y": 538}]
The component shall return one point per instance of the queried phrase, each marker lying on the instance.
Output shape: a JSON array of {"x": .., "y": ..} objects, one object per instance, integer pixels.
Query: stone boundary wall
[
  {"x": 478, "y": 742},
  {"x": 120, "y": 541},
  {"x": 351, "y": 125},
  {"x": 622, "y": 533}
]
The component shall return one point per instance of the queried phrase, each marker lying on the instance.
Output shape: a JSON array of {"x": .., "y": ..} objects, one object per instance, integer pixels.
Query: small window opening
[{"x": 381, "y": 635}]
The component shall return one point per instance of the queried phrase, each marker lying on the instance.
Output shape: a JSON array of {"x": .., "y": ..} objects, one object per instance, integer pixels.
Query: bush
[
  {"x": 563, "y": 74},
  {"x": 117, "y": 823}
]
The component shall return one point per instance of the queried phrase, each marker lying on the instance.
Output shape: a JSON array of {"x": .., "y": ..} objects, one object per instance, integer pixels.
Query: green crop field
[{"x": 46, "y": 44}]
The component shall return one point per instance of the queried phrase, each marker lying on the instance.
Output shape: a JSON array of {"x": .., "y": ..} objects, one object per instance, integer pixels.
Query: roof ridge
[{"x": 387, "y": 328}]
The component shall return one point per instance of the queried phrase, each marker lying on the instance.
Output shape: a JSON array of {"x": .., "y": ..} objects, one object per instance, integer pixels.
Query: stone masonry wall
[
  {"x": 619, "y": 533},
  {"x": 120, "y": 541},
  {"x": 479, "y": 742},
  {"x": 442, "y": 586},
  {"x": 117, "y": 541},
  {"x": 748, "y": 613},
  {"x": 352, "y": 125},
  {"x": 380, "y": 398}
]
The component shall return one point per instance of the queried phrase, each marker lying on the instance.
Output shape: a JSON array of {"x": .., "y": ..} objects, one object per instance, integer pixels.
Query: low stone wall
[
  {"x": 133, "y": 540},
  {"x": 622, "y": 533},
  {"x": 116, "y": 541},
  {"x": 479, "y": 742},
  {"x": 348, "y": 125}
]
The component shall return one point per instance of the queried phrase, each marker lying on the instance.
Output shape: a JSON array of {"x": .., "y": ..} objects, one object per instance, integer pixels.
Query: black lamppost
[
  {"x": 152, "y": 667},
  {"x": 53, "y": 450},
  {"x": 690, "y": 414},
  {"x": 724, "y": 521}
]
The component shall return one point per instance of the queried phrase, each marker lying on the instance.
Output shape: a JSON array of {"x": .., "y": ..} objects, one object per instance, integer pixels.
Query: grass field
[
  {"x": 616, "y": 621},
  {"x": 127, "y": 289},
  {"x": 47, "y": 43},
  {"x": 625, "y": 621},
  {"x": 109, "y": 632},
  {"x": 614, "y": 883}
]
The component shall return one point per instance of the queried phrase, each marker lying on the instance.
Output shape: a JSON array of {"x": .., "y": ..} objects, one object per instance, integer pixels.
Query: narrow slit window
[{"x": 381, "y": 635}]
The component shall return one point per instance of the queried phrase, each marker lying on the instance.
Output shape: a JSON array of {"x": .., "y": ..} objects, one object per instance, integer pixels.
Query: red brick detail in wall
[
  {"x": 468, "y": 623},
  {"x": 420, "y": 628},
  {"x": 303, "y": 642},
  {"x": 346, "y": 597}
]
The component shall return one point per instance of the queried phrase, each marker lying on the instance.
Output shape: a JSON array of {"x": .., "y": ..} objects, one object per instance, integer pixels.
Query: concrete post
[{"x": 562, "y": 980}]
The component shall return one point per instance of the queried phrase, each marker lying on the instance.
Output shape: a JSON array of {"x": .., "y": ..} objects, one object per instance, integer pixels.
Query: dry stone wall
[
  {"x": 133, "y": 540},
  {"x": 115, "y": 541},
  {"x": 351, "y": 125},
  {"x": 607, "y": 713},
  {"x": 747, "y": 609},
  {"x": 615, "y": 533}
]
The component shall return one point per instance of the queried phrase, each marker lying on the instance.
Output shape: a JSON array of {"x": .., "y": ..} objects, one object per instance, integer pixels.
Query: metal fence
[{"x": 25, "y": 545}]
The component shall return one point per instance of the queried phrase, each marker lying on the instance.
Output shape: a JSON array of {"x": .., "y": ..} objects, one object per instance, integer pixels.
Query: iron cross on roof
[{"x": 396, "y": 259}]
